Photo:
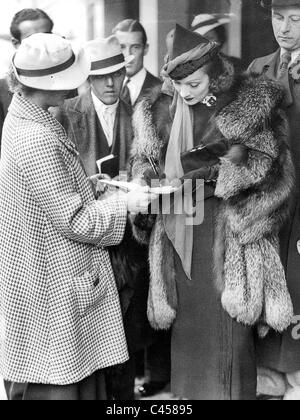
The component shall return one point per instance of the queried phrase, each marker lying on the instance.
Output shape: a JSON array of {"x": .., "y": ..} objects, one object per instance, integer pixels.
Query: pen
[{"x": 153, "y": 166}]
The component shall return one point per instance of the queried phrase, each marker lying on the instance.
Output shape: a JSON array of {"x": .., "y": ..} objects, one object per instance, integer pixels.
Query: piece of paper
[{"x": 130, "y": 186}]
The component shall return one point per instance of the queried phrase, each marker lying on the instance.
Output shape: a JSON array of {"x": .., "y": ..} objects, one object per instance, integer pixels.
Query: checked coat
[{"x": 60, "y": 316}]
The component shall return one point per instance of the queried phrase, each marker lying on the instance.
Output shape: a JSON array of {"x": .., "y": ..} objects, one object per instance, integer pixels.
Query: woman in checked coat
[
  {"x": 212, "y": 283},
  {"x": 60, "y": 317}
]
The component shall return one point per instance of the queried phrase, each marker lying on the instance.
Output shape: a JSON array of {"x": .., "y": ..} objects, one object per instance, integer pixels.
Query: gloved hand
[
  {"x": 150, "y": 176},
  {"x": 207, "y": 173}
]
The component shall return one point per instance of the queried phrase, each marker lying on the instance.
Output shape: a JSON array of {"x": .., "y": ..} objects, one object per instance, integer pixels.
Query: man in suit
[
  {"x": 279, "y": 355},
  {"x": 134, "y": 42},
  {"x": 25, "y": 23},
  {"x": 99, "y": 123},
  {"x": 213, "y": 27}
]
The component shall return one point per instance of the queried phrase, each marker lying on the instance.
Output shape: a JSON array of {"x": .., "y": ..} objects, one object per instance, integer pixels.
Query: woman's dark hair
[
  {"x": 213, "y": 66},
  {"x": 130, "y": 25},
  {"x": 31, "y": 15},
  {"x": 218, "y": 68}
]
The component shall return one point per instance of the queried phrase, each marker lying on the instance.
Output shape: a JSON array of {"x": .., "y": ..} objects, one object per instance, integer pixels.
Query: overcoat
[
  {"x": 60, "y": 315},
  {"x": 151, "y": 84},
  {"x": 282, "y": 352},
  {"x": 130, "y": 264}
]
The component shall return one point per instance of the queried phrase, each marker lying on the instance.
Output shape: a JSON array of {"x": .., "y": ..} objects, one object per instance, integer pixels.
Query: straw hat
[
  {"x": 49, "y": 62},
  {"x": 205, "y": 23},
  {"x": 106, "y": 56}
]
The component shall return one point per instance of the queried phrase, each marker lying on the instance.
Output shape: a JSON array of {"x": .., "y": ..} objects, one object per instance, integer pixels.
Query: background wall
[{"x": 250, "y": 33}]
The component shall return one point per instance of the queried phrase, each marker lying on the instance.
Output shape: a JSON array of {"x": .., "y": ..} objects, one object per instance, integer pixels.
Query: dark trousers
[
  {"x": 158, "y": 358},
  {"x": 90, "y": 389},
  {"x": 120, "y": 381}
]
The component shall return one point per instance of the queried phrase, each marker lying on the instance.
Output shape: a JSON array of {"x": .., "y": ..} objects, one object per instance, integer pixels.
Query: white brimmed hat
[
  {"x": 205, "y": 23},
  {"x": 106, "y": 56},
  {"x": 50, "y": 62}
]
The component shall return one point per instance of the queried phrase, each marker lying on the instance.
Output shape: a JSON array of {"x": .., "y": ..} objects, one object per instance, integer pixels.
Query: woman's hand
[
  {"x": 139, "y": 201},
  {"x": 99, "y": 188}
]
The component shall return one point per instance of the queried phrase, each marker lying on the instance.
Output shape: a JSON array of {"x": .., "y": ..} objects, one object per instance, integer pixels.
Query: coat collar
[{"x": 23, "y": 109}]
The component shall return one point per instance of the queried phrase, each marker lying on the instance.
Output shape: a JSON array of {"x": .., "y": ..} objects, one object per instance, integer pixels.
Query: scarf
[{"x": 176, "y": 226}]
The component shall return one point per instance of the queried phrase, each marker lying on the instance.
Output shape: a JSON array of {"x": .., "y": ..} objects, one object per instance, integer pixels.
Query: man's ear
[
  {"x": 16, "y": 43},
  {"x": 146, "y": 50}
]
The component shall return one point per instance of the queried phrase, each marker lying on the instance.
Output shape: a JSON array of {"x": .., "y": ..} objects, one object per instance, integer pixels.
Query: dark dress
[{"x": 213, "y": 357}]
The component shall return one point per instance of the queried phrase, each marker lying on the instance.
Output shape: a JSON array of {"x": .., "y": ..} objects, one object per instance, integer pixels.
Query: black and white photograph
[{"x": 150, "y": 202}]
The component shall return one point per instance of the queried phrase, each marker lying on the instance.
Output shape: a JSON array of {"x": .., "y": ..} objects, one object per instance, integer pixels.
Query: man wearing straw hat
[
  {"x": 98, "y": 121},
  {"x": 60, "y": 317},
  {"x": 280, "y": 354},
  {"x": 213, "y": 27}
]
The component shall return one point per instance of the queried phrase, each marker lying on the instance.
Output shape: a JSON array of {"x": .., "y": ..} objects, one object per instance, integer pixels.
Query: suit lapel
[
  {"x": 123, "y": 135},
  {"x": 84, "y": 127},
  {"x": 271, "y": 70}
]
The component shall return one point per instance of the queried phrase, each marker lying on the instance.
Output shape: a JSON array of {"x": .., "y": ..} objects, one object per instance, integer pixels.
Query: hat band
[
  {"x": 49, "y": 71},
  {"x": 108, "y": 62},
  {"x": 206, "y": 23}
]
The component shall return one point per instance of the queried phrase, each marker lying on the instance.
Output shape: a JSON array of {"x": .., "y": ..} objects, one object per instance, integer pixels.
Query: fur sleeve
[{"x": 268, "y": 201}]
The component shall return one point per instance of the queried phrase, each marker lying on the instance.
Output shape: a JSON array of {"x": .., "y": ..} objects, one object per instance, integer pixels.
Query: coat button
[{"x": 298, "y": 246}]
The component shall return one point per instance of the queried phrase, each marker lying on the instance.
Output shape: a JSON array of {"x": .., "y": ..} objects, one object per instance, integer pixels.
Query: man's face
[
  {"x": 108, "y": 88},
  {"x": 132, "y": 45},
  {"x": 30, "y": 27},
  {"x": 286, "y": 25}
]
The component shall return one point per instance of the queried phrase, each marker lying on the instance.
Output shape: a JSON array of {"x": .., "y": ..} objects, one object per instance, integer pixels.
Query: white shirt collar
[
  {"x": 136, "y": 84},
  {"x": 107, "y": 116},
  {"x": 101, "y": 107}
]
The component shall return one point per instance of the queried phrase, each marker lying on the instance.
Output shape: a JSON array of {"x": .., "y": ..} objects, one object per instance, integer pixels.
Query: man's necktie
[
  {"x": 126, "y": 92},
  {"x": 284, "y": 63}
]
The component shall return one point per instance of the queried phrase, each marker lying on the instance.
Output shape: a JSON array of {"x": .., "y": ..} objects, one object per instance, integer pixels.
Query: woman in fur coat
[{"x": 213, "y": 282}]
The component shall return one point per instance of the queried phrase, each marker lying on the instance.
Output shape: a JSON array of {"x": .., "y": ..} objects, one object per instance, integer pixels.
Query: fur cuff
[{"x": 162, "y": 301}]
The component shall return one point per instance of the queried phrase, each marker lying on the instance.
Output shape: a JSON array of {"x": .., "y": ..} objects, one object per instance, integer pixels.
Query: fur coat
[{"x": 254, "y": 204}]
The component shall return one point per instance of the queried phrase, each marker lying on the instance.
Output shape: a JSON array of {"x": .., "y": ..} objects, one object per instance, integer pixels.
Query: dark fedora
[{"x": 270, "y": 4}]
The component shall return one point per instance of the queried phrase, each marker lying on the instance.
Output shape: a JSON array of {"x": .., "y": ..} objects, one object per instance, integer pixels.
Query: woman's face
[{"x": 193, "y": 89}]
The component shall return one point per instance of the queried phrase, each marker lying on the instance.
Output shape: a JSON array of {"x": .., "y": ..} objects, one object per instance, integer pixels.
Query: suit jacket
[
  {"x": 151, "y": 84},
  {"x": 5, "y": 100},
  {"x": 59, "y": 307},
  {"x": 282, "y": 352},
  {"x": 80, "y": 120}
]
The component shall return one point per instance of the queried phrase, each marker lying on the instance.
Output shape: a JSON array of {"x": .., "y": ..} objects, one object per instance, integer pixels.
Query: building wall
[
  {"x": 257, "y": 32},
  {"x": 117, "y": 10}
]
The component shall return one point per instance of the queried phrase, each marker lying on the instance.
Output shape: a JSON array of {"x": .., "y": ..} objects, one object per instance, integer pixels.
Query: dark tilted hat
[
  {"x": 269, "y": 4},
  {"x": 190, "y": 52}
]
